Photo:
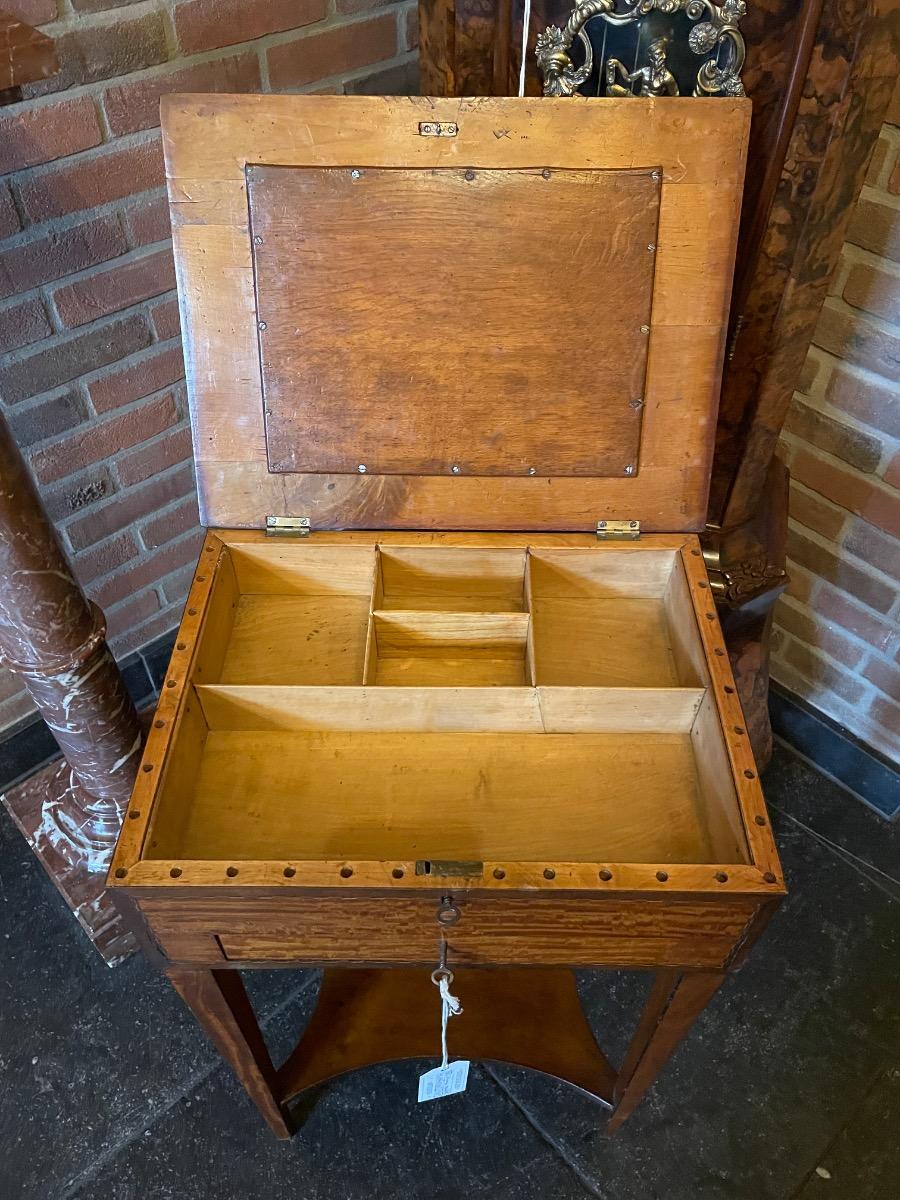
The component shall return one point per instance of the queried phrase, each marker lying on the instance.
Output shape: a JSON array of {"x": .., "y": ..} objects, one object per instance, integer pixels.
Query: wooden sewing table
[{"x": 449, "y": 668}]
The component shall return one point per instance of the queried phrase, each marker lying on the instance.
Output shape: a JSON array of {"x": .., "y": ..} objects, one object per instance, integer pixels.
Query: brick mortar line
[
  {"x": 16, "y": 179},
  {"x": 836, "y": 627},
  {"x": 184, "y": 60},
  {"x": 385, "y": 64},
  {"x": 73, "y": 20},
  {"x": 96, "y": 89},
  {"x": 794, "y": 440},
  {"x": 177, "y": 62},
  {"x": 331, "y": 20},
  {"x": 83, "y": 382},
  {"x": 91, "y": 419},
  {"x": 22, "y": 352},
  {"x": 31, "y": 402},
  {"x": 864, "y": 725},
  {"x": 820, "y": 404},
  {"x": 119, "y": 642},
  {"x": 60, "y": 335},
  {"x": 108, "y": 266},
  {"x": 82, "y": 216},
  {"x": 100, "y": 421},
  {"x": 133, "y": 359},
  {"x": 113, "y": 462},
  {"x": 878, "y": 195},
  {"x": 142, "y": 551},
  {"x": 851, "y": 368},
  {"x": 820, "y": 581},
  {"x": 855, "y": 714},
  {"x": 102, "y": 121},
  {"x": 169, "y": 33},
  {"x": 860, "y": 256},
  {"x": 262, "y": 63},
  {"x": 808, "y": 491},
  {"x": 159, "y": 582},
  {"x": 41, "y": 292},
  {"x": 139, "y": 525},
  {"x": 867, "y": 568},
  {"x": 869, "y": 692},
  {"x": 839, "y": 304},
  {"x": 823, "y": 375},
  {"x": 33, "y": 230}
]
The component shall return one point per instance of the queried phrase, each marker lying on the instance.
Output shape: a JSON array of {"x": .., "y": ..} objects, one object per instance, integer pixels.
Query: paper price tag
[{"x": 444, "y": 1081}]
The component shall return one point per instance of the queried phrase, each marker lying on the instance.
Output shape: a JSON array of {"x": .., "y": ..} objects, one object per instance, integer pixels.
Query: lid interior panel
[
  {"x": 387, "y": 355},
  {"x": 421, "y": 321}
]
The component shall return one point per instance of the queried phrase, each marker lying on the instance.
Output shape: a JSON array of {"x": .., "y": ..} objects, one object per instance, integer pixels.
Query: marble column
[{"x": 54, "y": 640}]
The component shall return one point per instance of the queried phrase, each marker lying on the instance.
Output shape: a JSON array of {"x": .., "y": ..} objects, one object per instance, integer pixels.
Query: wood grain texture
[
  {"x": 364, "y": 1017},
  {"x": 492, "y": 931},
  {"x": 381, "y": 795},
  {"x": 699, "y": 149},
  {"x": 353, "y": 561},
  {"x": 437, "y": 33},
  {"x": 451, "y": 709},
  {"x": 297, "y": 640},
  {"x": 444, "y": 649},
  {"x": 407, "y": 326},
  {"x": 462, "y": 54},
  {"x": 731, "y": 720},
  {"x": 441, "y": 579},
  {"x": 221, "y": 1005},
  {"x": 674, "y": 1005},
  {"x": 602, "y": 643},
  {"x": 170, "y": 709}
]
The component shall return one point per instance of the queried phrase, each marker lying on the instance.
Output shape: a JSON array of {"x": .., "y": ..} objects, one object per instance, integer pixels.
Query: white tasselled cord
[{"x": 526, "y": 22}]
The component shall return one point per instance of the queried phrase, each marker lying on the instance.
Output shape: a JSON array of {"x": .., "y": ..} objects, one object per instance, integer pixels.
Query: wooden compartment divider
[
  {"x": 410, "y": 725},
  {"x": 320, "y": 666},
  {"x": 451, "y": 709}
]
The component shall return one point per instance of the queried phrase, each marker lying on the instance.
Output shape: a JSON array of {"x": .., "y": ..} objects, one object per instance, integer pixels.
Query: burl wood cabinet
[{"x": 450, "y": 683}]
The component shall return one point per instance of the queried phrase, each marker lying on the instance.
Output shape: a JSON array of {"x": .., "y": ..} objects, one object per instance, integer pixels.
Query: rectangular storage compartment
[
  {"x": 368, "y": 794},
  {"x": 397, "y": 703}
]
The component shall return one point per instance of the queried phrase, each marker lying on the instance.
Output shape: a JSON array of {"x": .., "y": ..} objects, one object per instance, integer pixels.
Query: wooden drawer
[{"x": 490, "y": 931}]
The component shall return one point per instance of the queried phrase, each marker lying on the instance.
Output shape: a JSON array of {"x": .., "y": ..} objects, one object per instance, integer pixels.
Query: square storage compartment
[
  {"x": 610, "y": 620},
  {"x": 290, "y": 621}
]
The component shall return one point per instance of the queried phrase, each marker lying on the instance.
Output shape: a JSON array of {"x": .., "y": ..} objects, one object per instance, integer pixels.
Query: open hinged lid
[{"x": 454, "y": 314}]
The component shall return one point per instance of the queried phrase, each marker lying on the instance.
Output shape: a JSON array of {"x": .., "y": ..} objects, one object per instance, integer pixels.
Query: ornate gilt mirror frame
[{"x": 645, "y": 48}]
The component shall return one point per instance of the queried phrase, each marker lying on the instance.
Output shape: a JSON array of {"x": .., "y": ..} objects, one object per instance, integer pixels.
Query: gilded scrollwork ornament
[
  {"x": 560, "y": 76},
  {"x": 663, "y": 31},
  {"x": 737, "y": 583}
]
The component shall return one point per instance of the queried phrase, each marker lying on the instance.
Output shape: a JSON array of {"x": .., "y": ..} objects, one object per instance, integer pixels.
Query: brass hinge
[
  {"x": 438, "y": 129},
  {"x": 287, "y": 526},
  {"x": 622, "y": 531}
]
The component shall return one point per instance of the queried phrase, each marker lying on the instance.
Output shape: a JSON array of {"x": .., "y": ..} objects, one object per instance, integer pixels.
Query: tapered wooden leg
[
  {"x": 221, "y": 1005},
  {"x": 674, "y": 1005}
]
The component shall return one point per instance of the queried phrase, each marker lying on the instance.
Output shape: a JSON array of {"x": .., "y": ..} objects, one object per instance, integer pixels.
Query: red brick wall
[
  {"x": 90, "y": 358},
  {"x": 837, "y": 640}
]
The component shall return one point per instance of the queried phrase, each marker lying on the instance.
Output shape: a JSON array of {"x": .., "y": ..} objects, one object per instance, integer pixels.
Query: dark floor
[{"x": 788, "y": 1086}]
